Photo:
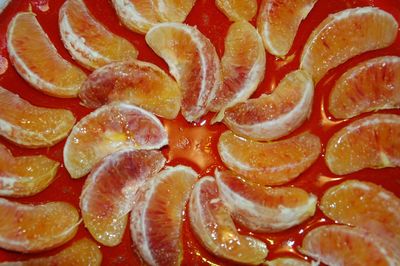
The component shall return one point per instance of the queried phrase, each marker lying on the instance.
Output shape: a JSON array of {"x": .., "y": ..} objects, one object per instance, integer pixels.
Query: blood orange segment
[
  {"x": 88, "y": 41},
  {"x": 37, "y": 61},
  {"x": 371, "y": 142},
  {"x": 173, "y": 10},
  {"x": 135, "y": 82},
  {"x": 25, "y": 175},
  {"x": 237, "y": 10},
  {"x": 31, "y": 126},
  {"x": 264, "y": 209},
  {"x": 344, "y": 35},
  {"x": 275, "y": 115},
  {"x": 193, "y": 62},
  {"x": 33, "y": 228},
  {"x": 371, "y": 85},
  {"x": 212, "y": 224},
  {"x": 109, "y": 129},
  {"x": 156, "y": 218},
  {"x": 287, "y": 262},
  {"x": 109, "y": 192}
]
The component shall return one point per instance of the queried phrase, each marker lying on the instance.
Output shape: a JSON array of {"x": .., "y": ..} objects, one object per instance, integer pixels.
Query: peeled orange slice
[
  {"x": 31, "y": 126},
  {"x": 33, "y": 228},
  {"x": 277, "y": 114},
  {"x": 237, "y": 10},
  {"x": 156, "y": 218},
  {"x": 371, "y": 142},
  {"x": 173, "y": 10},
  {"x": 109, "y": 129},
  {"x": 193, "y": 62},
  {"x": 213, "y": 226},
  {"x": 344, "y": 35},
  {"x": 287, "y": 262},
  {"x": 135, "y": 82},
  {"x": 264, "y": 209},
  {"x": 371, "y": 85},
  {"x": 37, "y": 61},
  {"x": 88, "y": 41},
  {"x": 109, "y": 192},
  {"x": 25, "y": 175}
]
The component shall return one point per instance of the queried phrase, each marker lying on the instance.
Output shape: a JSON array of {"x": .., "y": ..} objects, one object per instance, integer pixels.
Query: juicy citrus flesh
[
  {"x": 173, "y": 10},
  {"x": 274, "y": 115},
  {"x": 37, "y": 61},
  {"x": 33, "y": 228},
  {"x": 109, "y": 129},
  {"x": 287, "y": 262},
  {"x": 213, "y": 226},
  {"x": 134, "y": 82},
  {"x": 344, "y": 35},
  {"x": 32, "y": 126},
  {"x": 88, "y": 41},
  {"x": 263, "y": 209},
  {"x": 370, "y": 142},
  {"x": 109, "y": 191},
  {"x": 370, "y": 86},
  {"x": 157, "y": 215},
  {"x": 269, "y": 163},
  {"x": 237, "y": 10},
  {"x": 25, "y": 175}
]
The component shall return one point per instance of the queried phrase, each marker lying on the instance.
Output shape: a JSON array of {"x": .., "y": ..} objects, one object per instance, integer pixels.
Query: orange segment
[
  {"x": 277, "y": 114},
  {"x": 287, "y": 262},
  {"x": 371, "y": 85},
  {"x": 157, "y": 216},
  {"x": 31, "y": 126},
  {"x": 213, "y": 226},
  {"x": 37, "y": 61},
  {"x": 33, "y": 228},
  {"x": 109, "y": 129},
  {"x": 237, "y": 10},
  {"x": 25, "y": 175},
  {"x": 344, "y": 35},
  {"x": 193, "y": 62},
  {"x": 109, "y": 192},
  {"x": 371, "y": 142},
  {"x": 135, "y": 82},
  {"x": 173, "y": 10},
  {"x": 88, "y": 41}
]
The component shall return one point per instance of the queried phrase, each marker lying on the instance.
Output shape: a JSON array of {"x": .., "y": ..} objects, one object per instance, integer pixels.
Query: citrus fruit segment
[
  {"x": 264, "y": 209},
  {"x": 135, "y": 82},
  {"x": 274, "y": 115},
  {"x": 287, "y": 262},
  {"x": 31, "y": 126},
  {"x": 271, "y": 163},
  {"x": 37, "y": 61},
  {"x": 243, "y": 66},
  {"x": 88, "y": 41},
  {"x": 237, "y": 10},
  {"x": 109, "y": 191},
  {"x": 371, "y": 142},
  {"x": 344, "y": 35},
  {"x": 157, "y": 215},
  {"x": 173, "y": 10},
  {"x": 33, "y": 228},
  {"x": 278, "y": 22},
  {"x": 25, "y": 175},
  {"x": 371, "y": 85},
  {"x": 109, "y": 129},
  {"x": 193, "y": 62},
  {"x": 213, "y": 226}
]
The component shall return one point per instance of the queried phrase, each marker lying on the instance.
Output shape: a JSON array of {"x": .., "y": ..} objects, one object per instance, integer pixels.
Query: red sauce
[{"x": 195, "y": 144}]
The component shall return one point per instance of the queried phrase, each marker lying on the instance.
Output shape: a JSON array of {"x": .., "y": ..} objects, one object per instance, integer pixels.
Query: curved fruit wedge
[
  {"x": 25, "y": 175},
  {"x": 173, "y": 10},
  {"x": 31, "y": 126},
  {"x": 278, "y": 22},
  {"x": 193, "y": 62},
  {"x": 264, "y": 209},
  {"x": 371, "y": 142},
  {"x": 275, "y": 115},
  {"x": 33, "y": 228},
  {"x": 157, "y": 216},
  {"x": 287, "y": 262},
  {"x": 344, "y": 35},
  {"x": 88, "y": 41},
  {"x": 135, "y": 82},
  {"x": 371, "y": 85},
  {"x": 37, "y": 61},
  {"x": 213, "y": 226},
  {"x": 109, "y": 129},
  {"x": 109, "y": 191},
  {"x": 237, "y": 10}
]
